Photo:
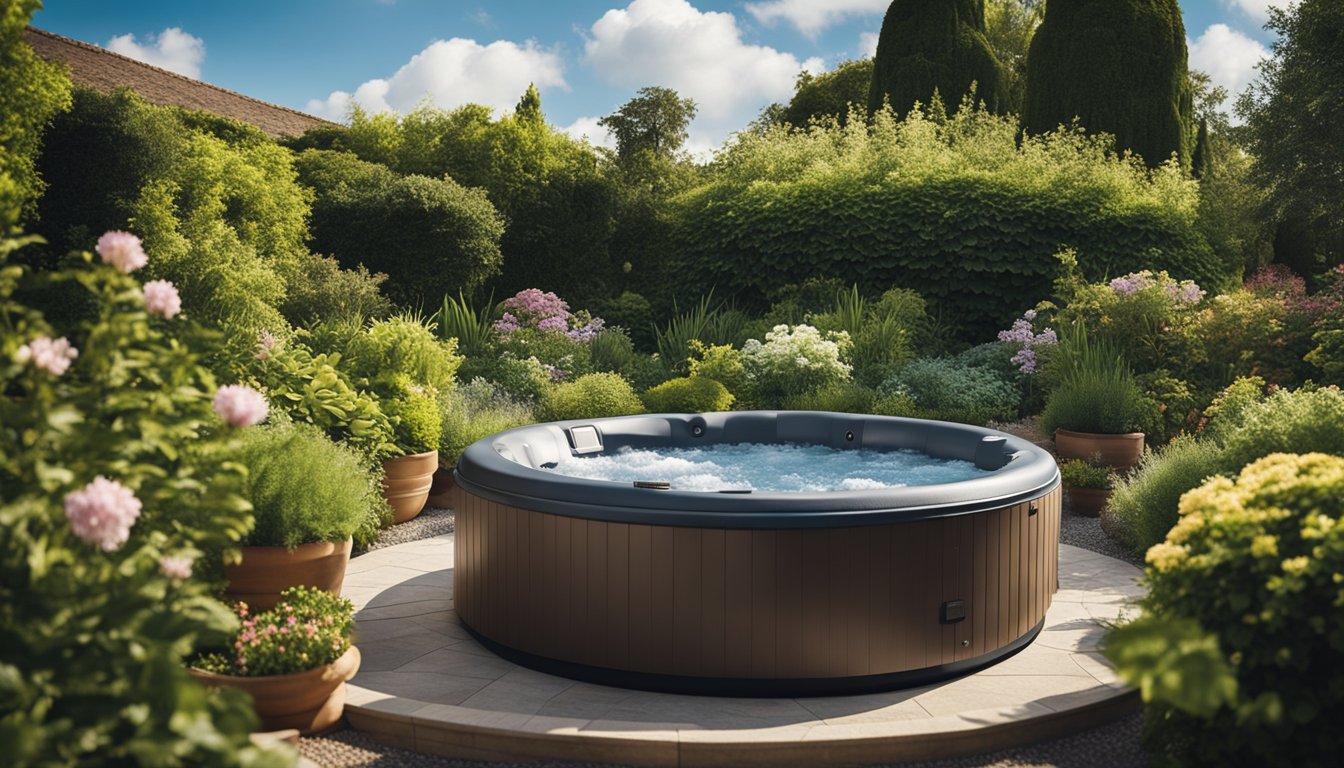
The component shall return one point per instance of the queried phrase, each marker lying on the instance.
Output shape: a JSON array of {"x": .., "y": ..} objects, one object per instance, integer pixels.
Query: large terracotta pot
[
  {"x": 1087, "y": 502},
  {"x": 265, "y": 572},
  {"x": 441, "y": 489},
  {"x": 311, "y": 701},
  {"x": 406, "y": 481},
  {"x": 1121, "y": 452}
]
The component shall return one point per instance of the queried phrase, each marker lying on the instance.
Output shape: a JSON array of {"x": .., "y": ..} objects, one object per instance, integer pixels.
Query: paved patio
[{"x": 426, "y": 685}]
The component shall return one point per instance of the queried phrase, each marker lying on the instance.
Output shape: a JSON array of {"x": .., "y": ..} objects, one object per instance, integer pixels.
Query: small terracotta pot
[
  {"x": 406, "y": 481},
  {"x": 1121, "y": 452},
  {"x": 265, "y": 572},
  {"x": 441, "y": 489},
  {"x": 311, "y": 701},
  {"x": 1087, "y": 502}
]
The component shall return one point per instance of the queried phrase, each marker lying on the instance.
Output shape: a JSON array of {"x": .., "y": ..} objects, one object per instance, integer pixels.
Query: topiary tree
[
  {"x": 1117, "y": 67},
  {"x": 927, "y": 47}
]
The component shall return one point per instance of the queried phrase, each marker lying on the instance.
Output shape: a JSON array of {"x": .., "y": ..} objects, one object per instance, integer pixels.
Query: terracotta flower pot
[
  {"x": 265, "y": 572},
  {"x": 441, "y": 489},
  {"x": 1087, "y": 502},
  {"x": 406, "y": 483},
  {"x": 1119, "y": 451},
  {"x": 311, "y": 701}
]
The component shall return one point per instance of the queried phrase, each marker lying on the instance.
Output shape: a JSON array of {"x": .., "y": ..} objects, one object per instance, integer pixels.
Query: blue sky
[{"x": 587, "y": 57}]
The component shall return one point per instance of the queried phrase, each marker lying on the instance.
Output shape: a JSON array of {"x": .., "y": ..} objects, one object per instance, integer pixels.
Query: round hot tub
[{"x": 734, "y": 591}]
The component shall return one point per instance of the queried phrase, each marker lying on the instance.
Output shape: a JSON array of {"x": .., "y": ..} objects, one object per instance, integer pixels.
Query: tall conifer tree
[
  {"x": 1119, "y": 67},
  {"x": 928, "y": 45}
]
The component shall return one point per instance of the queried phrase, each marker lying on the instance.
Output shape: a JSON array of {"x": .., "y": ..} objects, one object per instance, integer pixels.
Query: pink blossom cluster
[
  {"x": 544, "y": 311},
  {"x": 1022, "y": 332},
  {"x": 121, "y": 250},
  {"x": 102, "y": 513},
  {"x": 162, "y": 299},
  {"x": 52, "y": 356},
  {"x": 1183, "y": 292},
  {"x": 266, "y": 342},
  {"x": 1281, "y": 282},
  {"x": 176, "y": 566},
  {"x": 240, "y": 405},
  {"x": 277, "y": 632}
]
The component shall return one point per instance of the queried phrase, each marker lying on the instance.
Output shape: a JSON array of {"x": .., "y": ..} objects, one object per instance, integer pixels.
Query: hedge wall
[{"x": 958, "y": 211}]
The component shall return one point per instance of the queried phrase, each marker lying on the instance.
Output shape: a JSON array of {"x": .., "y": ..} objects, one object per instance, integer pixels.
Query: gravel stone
[{"x": 431, "y": 522}]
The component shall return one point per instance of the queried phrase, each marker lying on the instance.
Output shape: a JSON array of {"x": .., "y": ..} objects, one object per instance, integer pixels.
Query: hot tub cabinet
[{"x": 755, "y": 594}]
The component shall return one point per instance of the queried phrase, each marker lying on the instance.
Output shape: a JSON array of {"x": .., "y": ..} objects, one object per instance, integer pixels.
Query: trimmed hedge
[{"x": 957, "y": 210}]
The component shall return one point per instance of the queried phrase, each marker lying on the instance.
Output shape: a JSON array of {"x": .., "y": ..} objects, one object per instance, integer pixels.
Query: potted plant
[
  {"x": 294, "y": 660},
  {"x": 1096, "y": 409},
  {"x": 1088, "y": 485},
  {"x": 402, "y": 364},
  {"x": 308, "y": 497}
]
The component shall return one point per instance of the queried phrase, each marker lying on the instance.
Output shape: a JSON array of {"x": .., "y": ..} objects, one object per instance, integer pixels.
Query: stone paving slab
[{"x": 426, "y": 685}]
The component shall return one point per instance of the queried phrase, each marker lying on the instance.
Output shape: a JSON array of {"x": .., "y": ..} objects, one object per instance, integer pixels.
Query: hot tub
[{"x": 755, "y": 594}]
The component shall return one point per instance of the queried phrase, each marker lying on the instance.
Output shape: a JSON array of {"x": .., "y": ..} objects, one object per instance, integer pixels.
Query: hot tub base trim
[{"x": 765, "y": 688}]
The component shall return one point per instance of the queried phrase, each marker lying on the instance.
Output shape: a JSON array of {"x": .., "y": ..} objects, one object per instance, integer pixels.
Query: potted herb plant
[
  {"x": 308, "y": 497},
  {"x": 1096, "y": 409},
  {"x": 1088, "y": 485},
  {"x": 294, "y": 660}
]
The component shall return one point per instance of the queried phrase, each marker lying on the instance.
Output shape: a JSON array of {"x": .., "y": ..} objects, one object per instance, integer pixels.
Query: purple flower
[
  {"x": 161, "y": 298},
  {"x": 1132, "y": 283},
  {"x": 102, "y": 513},
  {"x": 47, "y": 354},
  {"x": 266, "y": 342},
  {"x": 1024, "y": 334},
  {"x": 1025, "y": 360},
  {"x": 240, "y": 406},
  {"x": 554, "y": 323},
  {"x": 508, "y": 324},
  {"x": 122, "y": 250}
]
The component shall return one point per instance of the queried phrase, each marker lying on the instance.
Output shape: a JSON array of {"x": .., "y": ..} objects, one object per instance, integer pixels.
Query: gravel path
[{"x": 1115, "y": 745}]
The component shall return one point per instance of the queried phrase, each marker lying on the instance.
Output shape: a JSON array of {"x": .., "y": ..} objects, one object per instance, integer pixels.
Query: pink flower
[
  {"x": 122, "y": 250},
  {"x": 281, "y": 649},
  {"x": 50, "y": 355},
  {"x": 161, "y": 298},
  {"x": 240, "y": 405},
  {"x": 176, "y": 566},
  {"x": 102, "y": 513},
  {"x": 266, "y": 341}
]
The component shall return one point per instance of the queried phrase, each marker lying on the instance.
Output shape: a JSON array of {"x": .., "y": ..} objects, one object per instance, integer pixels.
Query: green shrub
[
  {"x": 794, "y": 360},
  {"x": 695, "y": 394},
  {"x": 1304, "y": 420},
  {"x": 473, "y": 328},
  {"x": 634, "y": 313},
  {"x": 1084, "y": 474},
  {"x": 928, "y": 49},
  {"x": 882, "y": 332},
  {"x": 839, "y": 397},
  {"x": 706, "y": 323},
  {"x": 417, "y": 422},
  {"x": 961, "y": 208},
  {"x": 1095, "y": 401},
  {"x": 523, "y": 378},
  {"x": 1171, "y": 407},
  {"x": 612, "y": 350},
  {"x": 303, "y": 487},
  {"x": 475, "y": 410},
  {"x": 402, "y": 345},
  {"x": 590, "y": 397},
  {"x": 95, "y": 620},
  {"x": 32, "y": 92},
  {"x": 1144, "y": 506},
  {"x": 1237, "y": 651},
  {"x": 1224, "y": 415},
  {"x": 942, "y": 388},
  {"x": 429, "y": 235},
  {"x": 324, "y": 291},
  {"x": 721, "y": 362}
]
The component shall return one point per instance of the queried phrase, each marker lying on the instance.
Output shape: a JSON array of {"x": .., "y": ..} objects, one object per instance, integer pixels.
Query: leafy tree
[
  {"x": 829, "y": 94},
  {"x": 1009, "y": 28},
  {"x": 529, "y": 106},
  {"x": 1294, "y": 118},
  {"x": 927, "y": 47},
  {"x": 1201, "y": 159},
  {"x": 653, "y": 122},
  {"x": 1117, "y": 67},
  {"x": 431, "y": 236},
  {"x": 32, "y": 92}
]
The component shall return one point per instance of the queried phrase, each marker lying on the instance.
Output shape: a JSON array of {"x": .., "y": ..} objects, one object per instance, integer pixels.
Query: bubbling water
[{"x": 769, "y": 467}]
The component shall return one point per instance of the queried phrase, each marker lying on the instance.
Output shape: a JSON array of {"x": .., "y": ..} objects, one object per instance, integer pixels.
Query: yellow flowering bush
[{"x": 1238, "y": 650}]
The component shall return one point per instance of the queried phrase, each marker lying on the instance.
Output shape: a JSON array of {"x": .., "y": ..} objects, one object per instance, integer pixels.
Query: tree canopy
[{"x": 655, "y": 121}]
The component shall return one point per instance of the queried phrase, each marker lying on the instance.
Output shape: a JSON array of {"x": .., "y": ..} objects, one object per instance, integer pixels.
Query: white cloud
[
  {"x": 1227, "y": 56},
  {"x": 702, "y": 56},
  {"x": 452, "y": 73},
  {"x": 1256, "y": 9},
  {"x": 868, "y": 44},
  {"x": 810, "y": 16},
  {"x": 172, "y": 49},
  {"x": 587, "y": 128}
]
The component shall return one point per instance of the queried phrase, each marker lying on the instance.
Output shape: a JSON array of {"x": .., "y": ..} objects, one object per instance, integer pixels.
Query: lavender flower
[
  {"x": 1023, "y": 333},
  {"x": 102, "y": 513}
]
